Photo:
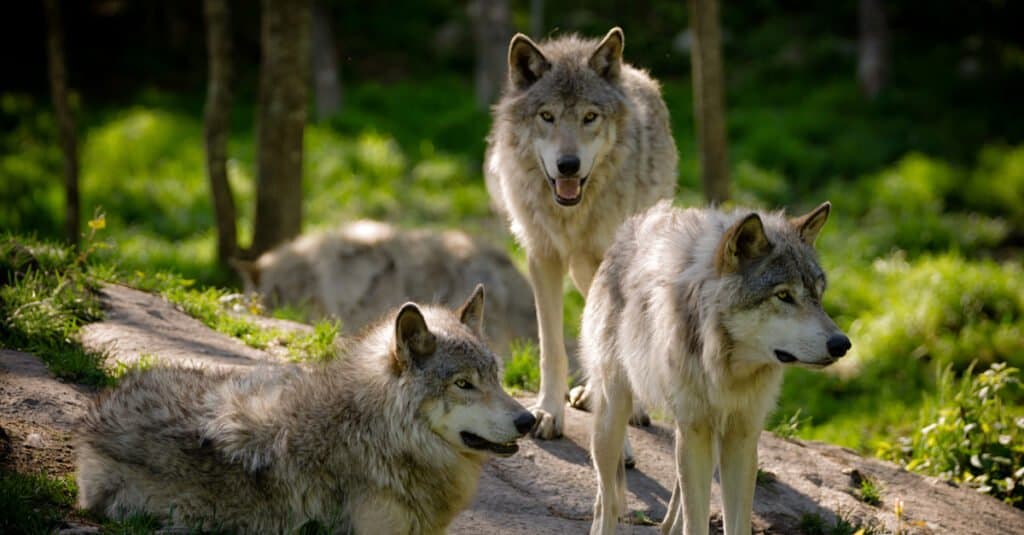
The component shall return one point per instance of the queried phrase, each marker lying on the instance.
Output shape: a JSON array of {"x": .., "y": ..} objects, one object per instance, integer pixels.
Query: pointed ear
[
  {"x": 413, "y": 340},
  {"x": 526, "y": 63},
  {"x": 809, "y": 224},
  {"x": 471, "y": 313},
  {"x": 743, "y": 242},
  {"x": 607, "y": 58}
]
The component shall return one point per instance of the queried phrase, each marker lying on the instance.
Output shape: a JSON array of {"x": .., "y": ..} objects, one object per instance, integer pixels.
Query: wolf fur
[
  {"x": 580, "y": 141},
  {"x": 699, "y": 311},
  {"x": 390, "y": 437},
  {"x": 359, "y": 271}
]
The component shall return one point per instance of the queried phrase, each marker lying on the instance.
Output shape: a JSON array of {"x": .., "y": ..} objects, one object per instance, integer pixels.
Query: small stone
[{"x": 35, "y": 440}]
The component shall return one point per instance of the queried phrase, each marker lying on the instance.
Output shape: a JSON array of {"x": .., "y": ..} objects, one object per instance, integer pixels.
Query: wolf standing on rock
[
  {"x": 698, "y": 311},
  {"x": 580, "y": 142},
  {"x": 388, "y": 438}
]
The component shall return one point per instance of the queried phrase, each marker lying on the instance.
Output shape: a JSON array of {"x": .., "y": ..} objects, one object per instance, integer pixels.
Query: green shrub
[
  {"x": 973, "y": 433},
  {"x": 522, "y": 371},
  {"x": 33, "y": 503}
]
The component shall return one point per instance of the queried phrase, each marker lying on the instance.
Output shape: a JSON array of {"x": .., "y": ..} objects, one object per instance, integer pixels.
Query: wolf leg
[
  {"x": 546, "y": 274},
  {"x": 673, "y": 524},
  {"x": 739, "y": 473},
  {"x": 694, "y": 464},
  {"x": 610, "y": 416}
]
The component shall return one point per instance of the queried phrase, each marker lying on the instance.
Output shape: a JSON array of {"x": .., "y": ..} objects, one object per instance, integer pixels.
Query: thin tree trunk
[
  {"x": 537, "y": 19},
  {"x": 218, "y": 111},
  {"x": 326, "y": 76},
  {"x": 873, "y": 53},
  {"x": 65, "y": 121},
  {"x": 491, "y": 33},
  {"x": 284, "y": 90},
  {"x": 709, "y": 99}
]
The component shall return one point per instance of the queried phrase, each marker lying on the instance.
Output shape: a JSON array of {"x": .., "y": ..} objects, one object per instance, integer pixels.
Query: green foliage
[
  {"x": 133, "y": 524},
  {"x": 34, "y": 504},
  {"x": 46, "y": 297},
  {"x": 869, "y": 491},
  {"x": 522, "y": 371},
  {"x": 973, "y": 433},
  {"x": 814, "y": 524},
  {"x": 789, "y": 427}
]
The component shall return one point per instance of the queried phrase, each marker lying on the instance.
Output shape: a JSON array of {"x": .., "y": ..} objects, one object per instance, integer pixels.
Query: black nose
[
  {"x": 838, "y": 344},
  {"x": 568, "y": 165},
  {"x": 524, "y": 422}
]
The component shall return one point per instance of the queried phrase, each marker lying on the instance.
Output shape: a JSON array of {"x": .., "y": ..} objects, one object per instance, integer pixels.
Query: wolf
[
  {"x": 389, "y": 437},
  {"x": 580, "y": 141},
  {"x": 360, "y": 270},
  {"x": 699, "y": 311}
]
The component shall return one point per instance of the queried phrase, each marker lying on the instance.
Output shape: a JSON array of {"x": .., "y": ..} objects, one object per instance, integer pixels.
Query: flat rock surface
[{"x": 548, "y": 487}]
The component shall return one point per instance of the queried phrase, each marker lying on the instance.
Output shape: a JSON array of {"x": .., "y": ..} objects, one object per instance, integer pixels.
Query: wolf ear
[
  {"x": 526, "y": 63},
  {"x": 249, "y": 271},
  {"x": 413, "y": 340},
  {"x": 809, "y": 224},
  {"x": 471, "y": 313},
  {"x": 607, "y": 58},
  {"x": 743, "y": 242}
]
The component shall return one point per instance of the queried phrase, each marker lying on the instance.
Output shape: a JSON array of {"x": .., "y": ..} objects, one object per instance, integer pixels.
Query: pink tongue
[{"x": 567, "y": 188}]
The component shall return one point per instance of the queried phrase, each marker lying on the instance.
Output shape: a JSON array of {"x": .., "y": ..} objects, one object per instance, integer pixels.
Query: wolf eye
[
  {"x": 548, "y": 118},
  {"x": 589, "y": 117},
  {"x": 785, "y": 296},
  {"x": 463, "y": 384}
]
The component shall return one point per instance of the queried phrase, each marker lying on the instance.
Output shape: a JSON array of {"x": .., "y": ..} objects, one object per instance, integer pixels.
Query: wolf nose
[
  {"x": 838, "y": 344},
  {"x": 568, "y": 165},
  {"x": 524, "y": 422}
]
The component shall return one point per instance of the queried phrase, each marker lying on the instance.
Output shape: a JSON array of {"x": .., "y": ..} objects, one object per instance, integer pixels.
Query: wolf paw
[
  {"x": 579, "y": 398},
  {"x": 548, "y": 425}
]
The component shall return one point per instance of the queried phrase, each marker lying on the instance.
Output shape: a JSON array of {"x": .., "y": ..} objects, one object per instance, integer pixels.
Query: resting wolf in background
[
  {"x": 580, "y": 142},
  {"x": 698, "y": 311},
  {"x": 388, "y": 438}
]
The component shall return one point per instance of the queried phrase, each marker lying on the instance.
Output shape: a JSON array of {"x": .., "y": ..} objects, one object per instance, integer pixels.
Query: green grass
[
  {"x": 522, "y": 371},
  {"x": 34, "y": 503},
  {"x": 869, "y": 491}
]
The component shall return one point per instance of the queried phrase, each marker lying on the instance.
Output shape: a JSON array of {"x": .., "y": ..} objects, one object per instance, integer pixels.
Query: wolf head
[
  {"x": 567, "y": 93},
  {"x": 776, "y": 286},
  {"x": 462, "y": 398}
]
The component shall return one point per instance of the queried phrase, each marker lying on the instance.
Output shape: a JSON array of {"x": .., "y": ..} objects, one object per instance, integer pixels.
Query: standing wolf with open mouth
[{"x": 580, "y": 142}]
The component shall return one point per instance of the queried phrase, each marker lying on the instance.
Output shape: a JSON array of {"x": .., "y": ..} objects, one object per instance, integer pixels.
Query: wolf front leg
[
  {"x": 611, "y": 412},
  {"x": 739, "y": 473},
  {"x": 546, "y": 274},
  {"x": 694, "y": 464}
]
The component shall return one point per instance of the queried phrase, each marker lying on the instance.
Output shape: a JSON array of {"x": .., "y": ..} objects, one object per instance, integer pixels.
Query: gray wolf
[
  {"x": 390, "y": 437},
  {"x": 699, "y": 311},
  {"x": 580, "y": 141},
  {"x": 360, "y": 270}
]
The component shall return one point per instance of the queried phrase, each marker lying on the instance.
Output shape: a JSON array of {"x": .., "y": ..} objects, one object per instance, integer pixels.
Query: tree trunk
[
  {"x": 536, "y": 19},
  {"x": 873, "y": 53},
  {"x": 709, "y": 99},
  {"x": 326, "y": 77},
  {"x": 65, "y": 121},
  {"x": 284, "y": 89},
  {"x": 491, "y": 33},
  {"x": 218, "y": 111}
]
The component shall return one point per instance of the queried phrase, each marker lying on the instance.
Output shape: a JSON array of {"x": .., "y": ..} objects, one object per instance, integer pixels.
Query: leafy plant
[{"x": 973, "y": 434}]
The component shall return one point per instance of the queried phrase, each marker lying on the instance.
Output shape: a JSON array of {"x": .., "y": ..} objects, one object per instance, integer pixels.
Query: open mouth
[
  {"x": 567, "y": 191},
  {"x": 784, "y": 357},
  {"x": 477, "y": 442}
]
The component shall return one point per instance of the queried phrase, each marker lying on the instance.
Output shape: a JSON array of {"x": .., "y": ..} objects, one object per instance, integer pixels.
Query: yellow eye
[
  {"x": 546, "y": 115},
  {"x": 589, "y": 117},
  {"x": 785, "y": 296},
  {"x": 463, "y": 384}
]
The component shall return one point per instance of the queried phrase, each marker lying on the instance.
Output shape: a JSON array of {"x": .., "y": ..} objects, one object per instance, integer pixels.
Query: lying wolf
[
  {"x": 359, "y": 271},
  {"x": 699, "y": 311},
  {"x": 580, "y": 141},
  {"x": 388, "y": 438}
]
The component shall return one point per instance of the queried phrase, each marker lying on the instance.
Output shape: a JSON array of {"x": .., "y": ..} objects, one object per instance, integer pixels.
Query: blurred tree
[
  {"x": 65, "y": 121},
  {"x": 709, "y": 99},
  {"x": 873, "y": 53},
  {"x": 492, "y": 30},
  {"x": 283, "y": 94},
  {"x": 536, "y": 19},
  {"x": 218, "y": 110},
  {"x": 326, "y": 76}
]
